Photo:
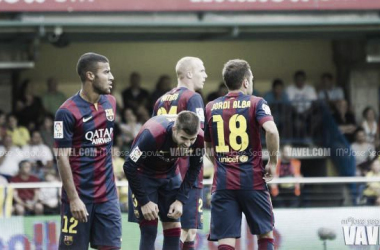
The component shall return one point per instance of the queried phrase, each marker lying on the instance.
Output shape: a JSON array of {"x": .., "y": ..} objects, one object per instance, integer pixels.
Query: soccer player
[
  {"x": 151, "y": 169},
  {"x": 191, "y": 75},
  {"x": 232, "y": 138},
  {"x": 83, "y": 132}
]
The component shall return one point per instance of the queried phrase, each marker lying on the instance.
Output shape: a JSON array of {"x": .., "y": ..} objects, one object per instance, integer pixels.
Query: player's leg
[
  {"x": 148, "y": 229},
  {"x": 172, "y": 227},
  {"x": 74, "y": 234},
  {"x": 257, "y": 207},
  {"x": 106, "y": 226},
  {"x": 225, "y": 219},
  {"x": 192, "y": 219}
]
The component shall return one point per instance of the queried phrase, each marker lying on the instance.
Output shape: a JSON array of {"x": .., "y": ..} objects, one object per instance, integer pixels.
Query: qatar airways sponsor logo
[{"x": 99, "y": 136}]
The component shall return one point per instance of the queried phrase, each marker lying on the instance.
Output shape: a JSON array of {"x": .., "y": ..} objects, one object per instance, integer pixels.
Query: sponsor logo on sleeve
[
  {"x": 266, "y": 109},
  {"x": 135, "y": 154},
  {"x": 58, "y": 130},
  {"x": 200, "y": 114}
]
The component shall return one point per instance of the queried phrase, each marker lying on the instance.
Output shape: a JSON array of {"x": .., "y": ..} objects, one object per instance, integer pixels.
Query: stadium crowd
[{"x": 26, "y": 135}]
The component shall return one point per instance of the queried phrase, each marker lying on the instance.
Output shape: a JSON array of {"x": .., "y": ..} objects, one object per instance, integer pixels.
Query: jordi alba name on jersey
[{"x": 88, "y": 130}]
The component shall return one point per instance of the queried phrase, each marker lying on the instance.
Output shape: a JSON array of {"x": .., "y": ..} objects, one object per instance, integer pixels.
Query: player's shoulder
[
  {"x": 110, "y": 98},
  {"x": 255, "y": 100},
  {"x": 158, "y": 125}
]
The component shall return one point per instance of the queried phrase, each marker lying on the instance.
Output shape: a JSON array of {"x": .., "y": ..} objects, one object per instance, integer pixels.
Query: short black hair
[
  {"x": 234, "y": 72},
  {"x": 299, "y": 73},
  {"x": 188, "y": 122},
  {"x": 327, "y": 75},
  {"x": 277, "y": 82},
  {"x": 366, "y": 110},
  {"x": 21, "y": 163},
  {"x": 87, "y": 62}
]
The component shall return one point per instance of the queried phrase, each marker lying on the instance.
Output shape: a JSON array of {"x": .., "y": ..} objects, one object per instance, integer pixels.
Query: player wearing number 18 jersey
[{"x": 232, "y": 136}]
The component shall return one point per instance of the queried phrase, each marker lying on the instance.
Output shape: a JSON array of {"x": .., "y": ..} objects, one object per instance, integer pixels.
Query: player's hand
[
  {"x": 150, "y": 211},
  {"x": 78, "y": 210},
  {"x": 175, "y": 210},
  {"x": 270, "y": 169}
]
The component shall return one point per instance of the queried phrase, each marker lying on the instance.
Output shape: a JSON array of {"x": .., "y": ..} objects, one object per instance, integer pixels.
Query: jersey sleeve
[
  {"x": 263, "y": 113},
  {"x": 64, "y": 125},
  {"x": 196, "y": 105},
  {"x": 144, "y": 143},
  {"x": 207, "y": 135}
]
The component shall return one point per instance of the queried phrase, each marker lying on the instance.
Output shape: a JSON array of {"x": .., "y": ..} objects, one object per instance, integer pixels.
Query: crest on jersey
[
  {"x": 109, "y": 114},
  {"x": 266, "y": 109},
  {"x": 135, "y": 154},
  {"x": 68, "y": 240},
  {"x": 58, "y": 129}
]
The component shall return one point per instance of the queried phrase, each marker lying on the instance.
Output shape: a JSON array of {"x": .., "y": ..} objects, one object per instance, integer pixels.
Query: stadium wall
[{"x": 269, "y": 59}]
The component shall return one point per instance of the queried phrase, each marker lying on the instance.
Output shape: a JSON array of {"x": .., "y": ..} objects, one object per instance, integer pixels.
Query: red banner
[{"x": 183, "y": 5}]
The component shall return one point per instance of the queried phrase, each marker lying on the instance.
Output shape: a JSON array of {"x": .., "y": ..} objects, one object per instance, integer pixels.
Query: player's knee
[
  {"x": 149, "y": 227},
  {"x": 38, "y": 209},
  {"x": 268, "y": 235},
  {"x": 192, "y": 233},
  {"x": 19, "y": 209},
  {"x": 169, "y": 225}
]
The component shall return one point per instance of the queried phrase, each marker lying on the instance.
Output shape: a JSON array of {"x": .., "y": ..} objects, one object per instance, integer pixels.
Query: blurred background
[{"x": 316, "y": 62}]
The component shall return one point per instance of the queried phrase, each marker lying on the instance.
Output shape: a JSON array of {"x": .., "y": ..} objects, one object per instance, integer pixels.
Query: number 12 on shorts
[{"x": 69, "y": 229}]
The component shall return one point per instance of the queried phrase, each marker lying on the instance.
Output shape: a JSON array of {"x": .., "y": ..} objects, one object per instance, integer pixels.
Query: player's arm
[
  {"x": 196, "y": 105},
  {"x": 195, "y": 166},
  {"x": 63, "y": 133},
  {"x": 77, "y": 207},
  {"x": 144, "y": 143},
  {"x": 272, "y": 140},
  {"x": 265, "y": 119},
  {"x": 209, "y": 152}
]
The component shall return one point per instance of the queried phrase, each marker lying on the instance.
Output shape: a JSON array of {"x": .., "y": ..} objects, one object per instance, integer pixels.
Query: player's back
[
  {"x": 233, "y": 126},
  {"x": 177, "y": 100}
]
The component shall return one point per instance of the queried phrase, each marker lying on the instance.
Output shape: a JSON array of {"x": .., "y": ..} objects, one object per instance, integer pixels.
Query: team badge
[
  {"x": 243, "y": 158},
  {"x": 109, "y": 114},
  {"x": 68, "y": 240},
  {"x": 58, "y": 129},
  {"x": 266, "y": 109}
]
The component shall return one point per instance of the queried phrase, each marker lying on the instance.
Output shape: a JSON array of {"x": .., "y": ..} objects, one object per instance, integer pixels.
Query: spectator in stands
[
  {"x": 3, "y": 125},
  {"x": 26, "y": 199},
  {"x": 10, "y": 156},
  {"x": 300, "y": 94},
  {"x": 118, "y": 96},
  {"x": 163, "y": 85},
  {"x": 372, "y": 193},
  {"x": 135, "y": 96},
  {"x": 329, "y": 91},
  {"x": 20, "y": 135},
  {"x": 222, "y": 90},
  {"x": 143, "y": 114},
  {"x": 362, "y": 151},
  {"x": 46, "y": 131},
  {"x": 29, "y": 108},
  {"x": 118, "y": 162},
  {"x": 277, "y": 94},
  {"x": 53, "y": 98},
  {"x": 286, "y": 195},
  {"x": 39, "y": 155},
  {"x": 49, "y": 196},
  {"x": 370, "y": 127},
  {"x": 129, "y": 128},
  {"x": 345, "y": 120}
]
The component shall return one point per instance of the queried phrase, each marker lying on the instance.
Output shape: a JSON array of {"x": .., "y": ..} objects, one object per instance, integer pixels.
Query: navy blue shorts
[
  {"x": 162, "y": 191},
  {"x": 227, "y": 207},
  {"x": 192, "y": 217},
  {"x": 103, "y": 227}
]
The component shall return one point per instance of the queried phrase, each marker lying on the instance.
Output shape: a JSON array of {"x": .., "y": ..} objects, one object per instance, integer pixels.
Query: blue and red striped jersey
[
  {"x": 87, "y": 129},
  {"x": 175, "y": 101},
  {"x": 155, "y": 154},
  {"x": 232, "y": 126}
]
